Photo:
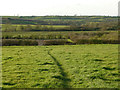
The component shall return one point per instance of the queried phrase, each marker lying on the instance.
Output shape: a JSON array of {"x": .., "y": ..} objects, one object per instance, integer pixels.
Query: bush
[
  {"x": 95, "y": 41},
  {"x": 17, "y": 42},
  {"x": 57, "y": 42}
]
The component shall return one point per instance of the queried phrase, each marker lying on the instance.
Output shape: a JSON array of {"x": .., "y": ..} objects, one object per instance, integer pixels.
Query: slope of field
[{"x": 79, "y": 66}]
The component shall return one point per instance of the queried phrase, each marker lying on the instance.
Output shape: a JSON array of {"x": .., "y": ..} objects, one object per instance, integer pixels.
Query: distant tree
[
  {"x": 45, "y": 28},
  {"x": 28, "y": 28},
  {"x": 13, "y": 28},
  {"x": 38, "y": 27},
  {"x": 20, "y": 28},
  {"x": 5, "y": 27},
  {"x": 9, "y": 28},
  {"x": 51, "y": 28}
]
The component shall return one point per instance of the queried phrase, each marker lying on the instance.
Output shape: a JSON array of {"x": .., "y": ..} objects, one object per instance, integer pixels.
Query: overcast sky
[{"x": 58, "y": 7}]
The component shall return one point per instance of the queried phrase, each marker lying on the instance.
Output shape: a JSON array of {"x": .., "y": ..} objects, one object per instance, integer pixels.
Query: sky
[{"x": 58, "y": 7}]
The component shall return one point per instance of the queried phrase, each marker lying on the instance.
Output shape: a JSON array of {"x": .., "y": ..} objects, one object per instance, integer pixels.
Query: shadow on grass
[
  {"x": 8, "y": 83},
  {"x": 64, "y": 76}
]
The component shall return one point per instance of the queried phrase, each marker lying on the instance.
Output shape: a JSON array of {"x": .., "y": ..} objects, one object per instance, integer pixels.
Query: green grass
[
  {"x": 74, "y": 66},
  {"x": 13, "y": 26},
  {"x": 34, "y": 35}
]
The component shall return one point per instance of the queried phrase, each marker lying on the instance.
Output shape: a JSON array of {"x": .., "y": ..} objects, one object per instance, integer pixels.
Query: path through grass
[{"x": 74, "y": 66}]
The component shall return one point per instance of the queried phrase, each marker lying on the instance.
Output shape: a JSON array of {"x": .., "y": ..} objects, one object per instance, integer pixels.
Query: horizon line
[{"x": 57, "y": 15}]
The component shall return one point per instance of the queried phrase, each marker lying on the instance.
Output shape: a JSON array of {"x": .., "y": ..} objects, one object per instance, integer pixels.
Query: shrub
[
  {"x": 95, "y": 41},
  {"x": 56, "y": 42},
  {"x": 16, "y": 42}
]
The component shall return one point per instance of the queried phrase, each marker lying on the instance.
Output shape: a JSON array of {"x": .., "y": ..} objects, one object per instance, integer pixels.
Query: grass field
[
  {"x": 54, "y": 26},
  {"x": 18, "y": 26},
  {"x": 75, "y": 66}
]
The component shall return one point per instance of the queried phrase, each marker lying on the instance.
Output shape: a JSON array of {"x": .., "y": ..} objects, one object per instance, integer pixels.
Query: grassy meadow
[
  {"x": 60, "y": 52},
  {"x": 65, "y": 66}
]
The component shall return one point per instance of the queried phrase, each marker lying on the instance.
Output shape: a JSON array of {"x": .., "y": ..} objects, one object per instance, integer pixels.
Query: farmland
[
  {"x": 77, "y": 29},
  {"x": 75, "y": 66},
  {"x": 60, "y": 52}
]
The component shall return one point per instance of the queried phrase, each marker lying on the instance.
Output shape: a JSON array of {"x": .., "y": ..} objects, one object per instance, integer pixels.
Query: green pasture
[
  {"x": 68, "y": 66},
  {"x": 18, "y": 26}
]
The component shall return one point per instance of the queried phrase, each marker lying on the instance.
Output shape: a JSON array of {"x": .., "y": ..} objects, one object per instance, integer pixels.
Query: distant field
[
  {"x": 38, "y": 35},
  {"x": 79, "y": 66},
  {"x": 86, "y": 23},
  {"x": 35, "y": 25},
  {"x": 18, "y": 26}
]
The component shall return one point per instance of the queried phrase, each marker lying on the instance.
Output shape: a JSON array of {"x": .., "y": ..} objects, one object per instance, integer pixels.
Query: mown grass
[{"x": 75, "y": 66}]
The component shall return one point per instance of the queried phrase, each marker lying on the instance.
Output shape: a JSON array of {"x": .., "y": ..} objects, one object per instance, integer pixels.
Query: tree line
[{"x": 91, "y": 26}]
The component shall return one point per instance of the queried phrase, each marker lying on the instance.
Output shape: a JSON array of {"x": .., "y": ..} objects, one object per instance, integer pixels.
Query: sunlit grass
[{"x": 74, "y": 66}]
